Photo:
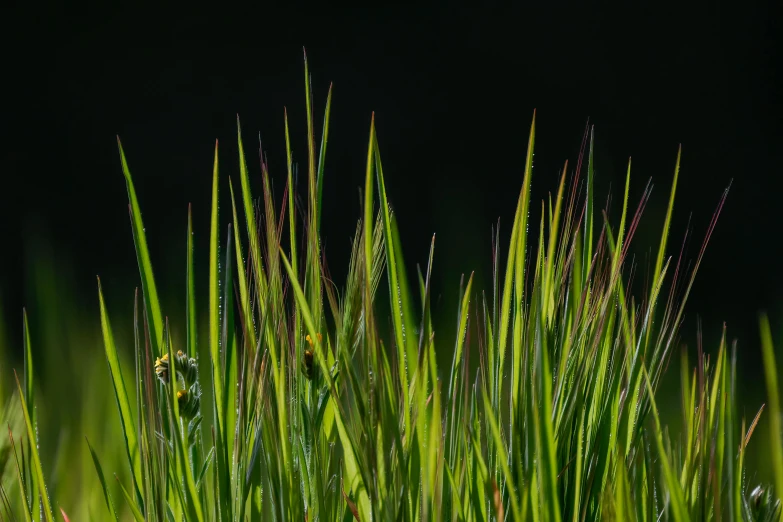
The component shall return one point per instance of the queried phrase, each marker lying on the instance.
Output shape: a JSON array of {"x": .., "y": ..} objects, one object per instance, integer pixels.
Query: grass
[{"x": 302, "y": 409}]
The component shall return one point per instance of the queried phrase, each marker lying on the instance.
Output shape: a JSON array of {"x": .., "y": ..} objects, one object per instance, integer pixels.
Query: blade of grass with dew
[
  {"x": 149, "y": 289},
  {"x": 223, "y": 467},
  {"x": 515, "y": 269},
  {"x": 773, "y": 398},
  {"x": 244, "y": 296},
  {"x": 34, "y": 456},
  {"x": 214, "y": 303},
  {"x": 419, "y": 385},
  {"x": 401, "y": 342},
  {"x": 121, "y": 395}
]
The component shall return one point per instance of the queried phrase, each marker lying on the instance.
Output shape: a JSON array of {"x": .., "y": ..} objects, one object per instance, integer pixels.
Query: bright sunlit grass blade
[
  {"x": 515, "y": 274},
  {"x": 405, "y": 344},
  {"x": 149, "y": 289},
  {"x": 665, "y": 234},
  {"x": 462, "y": 329},
  {"x": 368, "y": 238},
  {"x": 214, "y": 302}
]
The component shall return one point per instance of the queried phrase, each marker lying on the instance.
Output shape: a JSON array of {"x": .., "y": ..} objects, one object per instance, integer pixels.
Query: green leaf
[
  {"x": 205, "y": 467},
  {"x": 773, "y": 398},
  {"x": 665, "y": 234},
  {"x": 190, "y": 297},
  {"x": 102, "y": 478},
  {"x": 502, "y": 457},
  {"x": 29, "y": 387},
  {"x": 37, "y": 468},
  {"x": 137, "y": 516},
  {"x": 678, "y": 507},
  {"x": 120, "y": 393},
  {"x": 149, "y": 289},
  {"x": 322, "y": 155},
  {"x": 214, "y": 303}
]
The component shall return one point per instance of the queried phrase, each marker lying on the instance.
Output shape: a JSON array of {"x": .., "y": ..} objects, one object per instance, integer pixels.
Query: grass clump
[{"x": 303, "y": 410}]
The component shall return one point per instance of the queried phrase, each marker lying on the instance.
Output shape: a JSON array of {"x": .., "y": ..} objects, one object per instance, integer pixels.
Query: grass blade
[
  {"x": 120, "y": 394},
  {"x": 137, "y": 516},
  {"x": 29, "y": 388},
  {"x": 773, "y": 399},
  {"x": 36, "y": 459},
  {"x": 679, "y": 509},
  {"x": 149, "y": 289},
  {"x": 102, "y": 478}
]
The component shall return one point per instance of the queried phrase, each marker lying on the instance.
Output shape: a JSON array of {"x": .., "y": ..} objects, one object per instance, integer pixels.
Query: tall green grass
[{"x": 303, "y": 410}]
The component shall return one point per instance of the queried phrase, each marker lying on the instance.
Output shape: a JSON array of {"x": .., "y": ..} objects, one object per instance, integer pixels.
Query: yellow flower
[
  {"x": 162, "y": 368},
  {"x": 307, "y": 362},
  {"x": 310, "y": 339}
]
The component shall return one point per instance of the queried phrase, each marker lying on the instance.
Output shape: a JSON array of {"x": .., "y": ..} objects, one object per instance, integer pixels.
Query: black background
[{"x": 453, "y": 93}]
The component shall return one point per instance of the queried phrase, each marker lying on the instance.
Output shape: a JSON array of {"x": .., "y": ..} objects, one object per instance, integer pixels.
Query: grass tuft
[{"x": 305, "y": 409}]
